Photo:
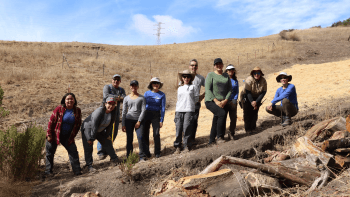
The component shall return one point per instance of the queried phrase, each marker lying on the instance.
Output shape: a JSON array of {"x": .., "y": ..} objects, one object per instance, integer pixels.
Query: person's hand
[
  {"x": 254, "y": 104},
  {"x": 117, "y": 98},
  {"x": 160, "y": 125},
  {"x": 49, "y": 138},
  {"x": 90, "y": 143},
  {"x": 269, "y": 107},
  {"x": 223, "y": 103},
  {"x": 124, "y": 128},
  {"x": 137, "y": 125},
  {"x": 218, "y": 103}
]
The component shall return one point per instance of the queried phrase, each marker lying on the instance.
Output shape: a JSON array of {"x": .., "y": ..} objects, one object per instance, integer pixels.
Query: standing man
[
  {"x": 112, "y": 90},
  {"x": 198, "y": 81}
]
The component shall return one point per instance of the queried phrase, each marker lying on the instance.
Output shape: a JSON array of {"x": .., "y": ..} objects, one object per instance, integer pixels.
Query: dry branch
[{"x": 325, "y": 129}]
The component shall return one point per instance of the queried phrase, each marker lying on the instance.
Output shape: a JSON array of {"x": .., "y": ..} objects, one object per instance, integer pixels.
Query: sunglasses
[
  {"x": 186, "y": 76},
  {"x": 284, "y": 77},
  {"x": 156, "y": 83},
  {"x": 256, "y": 73},
  {"x": 193, "y": 65},
  {"x": 116, "y": 79}
]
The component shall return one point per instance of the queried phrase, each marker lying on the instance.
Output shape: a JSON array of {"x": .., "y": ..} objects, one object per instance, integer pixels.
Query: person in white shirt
[{"x": 187, "y": 97}]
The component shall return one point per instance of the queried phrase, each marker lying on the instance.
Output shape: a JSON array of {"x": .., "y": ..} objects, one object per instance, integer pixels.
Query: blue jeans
[
  {"x": 116, "y": 125},
  {"x": 130, "y": 126},
  {"x": 72, "y": 153},
  {"x": 151, "y": 117},
  {"x": 107, "y": 147}
]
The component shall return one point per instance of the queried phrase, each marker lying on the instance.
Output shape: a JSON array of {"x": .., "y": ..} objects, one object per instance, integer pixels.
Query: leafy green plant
[
  {"x": 128, "y": 164},
  {"x": 20, "y": 153},
  {"x": 342, "y": 23},
  {"x": 3, "y": 112}
]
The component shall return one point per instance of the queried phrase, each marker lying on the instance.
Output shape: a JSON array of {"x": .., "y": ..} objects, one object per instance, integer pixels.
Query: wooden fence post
[
  {"x": 238, "y": 60},
  {"x": 62, "y": 59},
  {"x": 103, "y": 69},
  {"x": 150, "y": 69}
]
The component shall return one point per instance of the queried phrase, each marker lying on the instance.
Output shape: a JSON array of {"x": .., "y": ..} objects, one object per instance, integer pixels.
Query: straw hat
[
  {"x": 186, "y": 72},
  {"x": 256, "y": 69},
  {"x": 278, "y": 78},
  {"x": 155, "y": 79}
]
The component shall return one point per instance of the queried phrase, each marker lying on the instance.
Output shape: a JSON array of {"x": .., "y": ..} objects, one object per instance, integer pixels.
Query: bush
[
  {"x": 342, "y": 23},
  {"x": 127, "y": 165},
  {"x": 3, "y": 112},
  {"x": 291, "y": 36},
  {"x": 20, "y": 153}
]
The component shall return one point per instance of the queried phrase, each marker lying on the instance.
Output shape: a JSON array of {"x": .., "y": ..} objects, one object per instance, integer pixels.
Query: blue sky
[{"x": 123, "y": 22}]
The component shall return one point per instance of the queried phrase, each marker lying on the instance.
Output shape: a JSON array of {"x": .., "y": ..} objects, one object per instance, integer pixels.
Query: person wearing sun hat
[
  {"x": 255, "y": 88},
  {"x": 232, "y": 104},
  {"x": 187, "y": 97},
  {"x": 287, "y": 95},
  {"x": 98, "y": 126},
  {"x": 112, "y": 90},
  {"x": 155, "y": 110},
  {"x": 217, "y": 94}
]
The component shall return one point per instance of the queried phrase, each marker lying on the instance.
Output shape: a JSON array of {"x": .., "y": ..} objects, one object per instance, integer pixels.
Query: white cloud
[
  {"x": 272, "y": 16},
  {"x": 172, "y": 28}
]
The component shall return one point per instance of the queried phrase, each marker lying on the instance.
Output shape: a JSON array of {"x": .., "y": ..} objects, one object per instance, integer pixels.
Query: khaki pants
[{"x": 287, "y": 109}]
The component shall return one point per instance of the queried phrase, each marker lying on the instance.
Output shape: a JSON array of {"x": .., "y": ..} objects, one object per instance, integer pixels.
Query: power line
[{"x": 158, "y": 32}]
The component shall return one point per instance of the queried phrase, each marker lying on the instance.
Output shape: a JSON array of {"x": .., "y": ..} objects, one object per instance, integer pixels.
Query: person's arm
[
  {"x": 260, "y": 97},
  {"x": 96, "y": 117},
  {"x": 106, "y": 93},
  {"x": 77, "y": 124},
  {"x": 209, "y": 96},
  {"x": 236, "y": 89},
  {"x": 195, "y": 93},
  {"x": 162, "y": 111},
  {"x": 249, "y": 96},
  {"x": 125, "y": 110},
  {"x": 52, "y": 124},
  {"x": 143, "y": 110},
  {"x": 122, "y": 94}
]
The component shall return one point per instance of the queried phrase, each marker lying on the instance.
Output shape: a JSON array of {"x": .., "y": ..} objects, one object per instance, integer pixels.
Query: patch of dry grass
[{"x": 15, "y": 189}]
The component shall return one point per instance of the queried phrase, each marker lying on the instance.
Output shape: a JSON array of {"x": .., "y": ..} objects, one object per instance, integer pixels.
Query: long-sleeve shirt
[
  {"x": 217, "y": 86},
  {"x": 133, "y": 109},
  {"x": 234, "y": 90},
  {"x": 111, "y": 91},
  {"x": 289, "y": 93},
  {"x": 187, "y": 97},
  {"x": 54, "y": 126},
  {"x": 155, "y": 101}
]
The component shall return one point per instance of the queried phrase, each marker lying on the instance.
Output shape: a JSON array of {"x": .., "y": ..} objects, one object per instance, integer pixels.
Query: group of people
[{"x": 141, "y": 111}]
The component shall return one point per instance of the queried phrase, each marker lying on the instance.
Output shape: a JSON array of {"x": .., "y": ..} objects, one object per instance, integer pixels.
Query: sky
[{"x": 134, "y": 22}]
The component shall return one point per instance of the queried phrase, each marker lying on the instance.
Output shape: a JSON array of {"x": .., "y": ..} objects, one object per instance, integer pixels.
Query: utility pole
[{"x": 159, "y": 28}]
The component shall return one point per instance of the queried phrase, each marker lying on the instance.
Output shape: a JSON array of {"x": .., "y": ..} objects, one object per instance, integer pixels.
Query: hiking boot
[
  {"x": 78, "y": 174},
  {"x": 287, "y": 122},
  {"x": 142, "y": 160},
  {"x": 178, "y": 150},
  {"x": 220, "y": 141},
  {"x": 102, "y": 157},
  {"x": 116, "y": 161}
]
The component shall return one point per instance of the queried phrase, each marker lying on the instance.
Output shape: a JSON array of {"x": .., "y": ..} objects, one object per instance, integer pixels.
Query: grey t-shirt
[
  {"x": 133, "y": 109},
  {"x": 198, "y": 81},
  {"x": 105, "y": 122}
]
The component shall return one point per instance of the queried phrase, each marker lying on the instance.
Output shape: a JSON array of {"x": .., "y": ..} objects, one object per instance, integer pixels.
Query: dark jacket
[{"x": 90, "y": 124}]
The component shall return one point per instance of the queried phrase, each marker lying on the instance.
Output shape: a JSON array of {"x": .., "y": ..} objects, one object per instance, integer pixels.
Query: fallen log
[
  {"x": 304, "y": 146},
  {"x": 325, "y": 129},
  {"x": 348, "y": 123},
  {"x": 342, "y": 150},
  {"x": 262, "y": 183},
  {"x": 331, "y": 145},
  {"x": 302, "y": 178},
  {"x": 339, "y": 135}
]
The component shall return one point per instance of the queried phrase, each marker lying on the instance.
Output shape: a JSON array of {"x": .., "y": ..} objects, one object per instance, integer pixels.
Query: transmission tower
[{"x": 159, "y": 28}]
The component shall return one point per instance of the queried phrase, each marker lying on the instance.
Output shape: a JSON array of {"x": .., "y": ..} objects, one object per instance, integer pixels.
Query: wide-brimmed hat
[
  {"x": 155, "y": 79},
  {"x": 256, "y": 69},
  {"x": 186, "y": 72},
  {"x": 278, "y": 78}
]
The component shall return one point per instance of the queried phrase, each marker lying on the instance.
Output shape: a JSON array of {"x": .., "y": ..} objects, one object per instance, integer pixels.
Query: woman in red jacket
[{"x": 64, "y": 125}]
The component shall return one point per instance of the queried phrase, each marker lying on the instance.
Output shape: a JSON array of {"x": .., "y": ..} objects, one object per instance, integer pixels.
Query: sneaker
[
  {"x": 220, "y": 141},
  {"x": 287, "y": 122},
  {"x": 142, "y": 160},
  {"x": 177, "y": 151},
  {"x": 92, "y": 170},
  {"x": 102, "y": 157},
  {"x": 149, "y": 155},
  {"x": 78, "y": 174},
  {"x": 116, "y": 161},
  {"x": 158, "y": 155}
]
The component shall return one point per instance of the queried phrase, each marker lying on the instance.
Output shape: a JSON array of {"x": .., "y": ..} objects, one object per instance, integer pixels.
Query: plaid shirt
[{"x": 54, "y": 127}]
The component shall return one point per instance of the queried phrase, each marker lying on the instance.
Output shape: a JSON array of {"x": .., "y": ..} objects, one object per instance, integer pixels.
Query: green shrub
[
  {"x": 3, "y": 112},
  {"x": 342, "y": 23},
  {"x": 20, "y": 153},
  {"x": 127, "y": 165}
]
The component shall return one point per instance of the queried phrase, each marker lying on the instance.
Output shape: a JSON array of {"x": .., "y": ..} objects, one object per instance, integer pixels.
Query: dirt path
[{"x": 315, "y": 83}]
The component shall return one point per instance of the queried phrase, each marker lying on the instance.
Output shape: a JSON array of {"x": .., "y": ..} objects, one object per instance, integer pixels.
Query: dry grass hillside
[{"x": 34, "y": 78}]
